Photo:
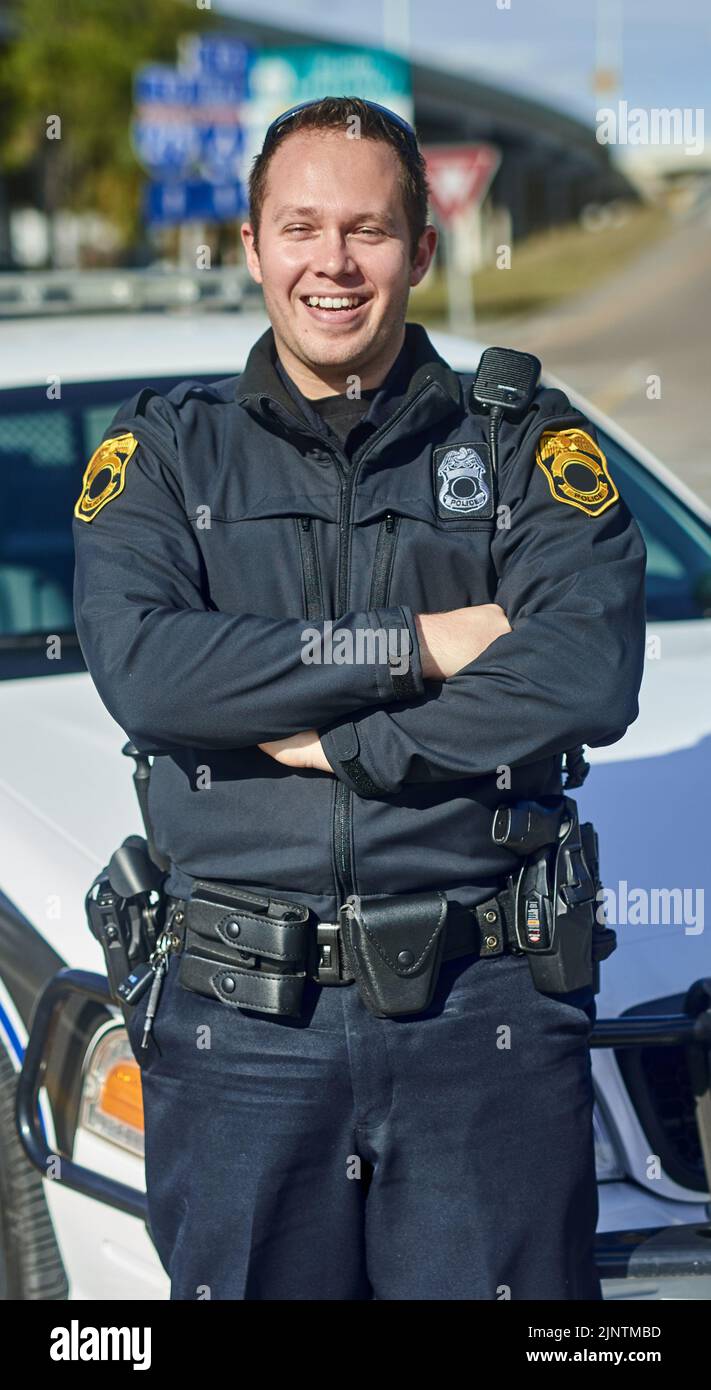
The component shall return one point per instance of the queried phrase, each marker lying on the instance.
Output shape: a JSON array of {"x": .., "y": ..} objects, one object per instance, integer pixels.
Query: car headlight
[{"x": 112, "y": 1097}]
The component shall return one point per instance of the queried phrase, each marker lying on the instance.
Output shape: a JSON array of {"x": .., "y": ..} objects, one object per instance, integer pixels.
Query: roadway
[{"x": 650, "y": 320}]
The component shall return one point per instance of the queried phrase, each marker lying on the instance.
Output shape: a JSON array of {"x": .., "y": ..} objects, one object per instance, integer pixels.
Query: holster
[
  {"x": 124, "y": 908},
  {"x": 246, "y": 949},
  {"x": 393, "y": 946},
  {"x": 557, "y": 892},
  {"x": 604, "y": 938}
]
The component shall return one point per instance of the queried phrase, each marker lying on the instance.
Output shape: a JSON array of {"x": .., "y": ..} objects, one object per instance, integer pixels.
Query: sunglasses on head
[{"x": 391, "y": 116}]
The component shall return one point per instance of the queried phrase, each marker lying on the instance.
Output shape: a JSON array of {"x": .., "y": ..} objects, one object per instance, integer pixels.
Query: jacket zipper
[
  {"x": 311, "y": 575},
  {"x": 379, "y": 592},
  {"x": 382, "y": 570},
  {"x": 348, "y": 470},
  {"x": 310, "y": 568},
  {"x": 383, "y": 562}
]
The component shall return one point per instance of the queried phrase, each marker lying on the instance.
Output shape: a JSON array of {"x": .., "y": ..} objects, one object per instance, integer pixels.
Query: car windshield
[
  {"x": 44, "y": 448},
  {"x": 678, "y": 541}
]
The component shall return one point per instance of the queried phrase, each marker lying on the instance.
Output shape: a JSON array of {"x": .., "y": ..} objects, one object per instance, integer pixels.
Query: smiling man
[
  {"x": 336, "y": 271},
  {"x": 368, "y": 1074},
  {"x": 338, "y": 319}
]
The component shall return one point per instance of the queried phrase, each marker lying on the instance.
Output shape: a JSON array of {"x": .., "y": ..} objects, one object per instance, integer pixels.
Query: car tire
[{"x": 30, "y": 1263}]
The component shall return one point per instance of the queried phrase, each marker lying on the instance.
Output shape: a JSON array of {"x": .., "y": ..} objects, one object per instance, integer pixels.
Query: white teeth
[{"x": 328, "y": 302}]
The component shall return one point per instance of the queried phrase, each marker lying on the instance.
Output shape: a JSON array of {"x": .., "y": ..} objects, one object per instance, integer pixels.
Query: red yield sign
[{"x": 459, "y": 176}]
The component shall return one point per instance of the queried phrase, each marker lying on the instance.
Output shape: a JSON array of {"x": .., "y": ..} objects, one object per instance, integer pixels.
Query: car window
[
  {"x": 678, "y": 542},
  {"x": 45, "y": 445}
]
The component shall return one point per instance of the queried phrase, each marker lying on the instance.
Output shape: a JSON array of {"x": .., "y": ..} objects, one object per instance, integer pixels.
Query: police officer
[{"x": 348, "y": 631}]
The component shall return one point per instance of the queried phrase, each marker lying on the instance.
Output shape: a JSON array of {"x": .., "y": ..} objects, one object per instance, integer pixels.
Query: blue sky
[{"x": 544, "y": 48}]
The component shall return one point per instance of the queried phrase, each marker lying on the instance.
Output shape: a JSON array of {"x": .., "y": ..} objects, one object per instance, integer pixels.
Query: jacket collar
[{"x": 432, "y": 384}]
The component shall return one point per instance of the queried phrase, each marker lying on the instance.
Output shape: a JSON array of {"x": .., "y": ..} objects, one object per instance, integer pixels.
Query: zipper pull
[
  {"x": 305, "y": 522},
  {"x": 389, "y": 521}
]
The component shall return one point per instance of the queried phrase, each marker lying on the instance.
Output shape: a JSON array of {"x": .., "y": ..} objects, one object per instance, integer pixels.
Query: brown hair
[{"x": 332, "y": 113}]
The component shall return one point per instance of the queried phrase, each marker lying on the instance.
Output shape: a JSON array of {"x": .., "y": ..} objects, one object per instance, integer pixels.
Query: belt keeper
[
  {"x": 492, "y": 928},
  {"x": 328, "y": 963}
]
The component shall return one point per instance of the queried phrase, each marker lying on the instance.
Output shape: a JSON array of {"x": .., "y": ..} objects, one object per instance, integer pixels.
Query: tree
[{"x": 75, "y": 60}]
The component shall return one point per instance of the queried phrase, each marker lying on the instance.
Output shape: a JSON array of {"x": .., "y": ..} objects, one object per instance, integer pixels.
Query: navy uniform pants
[{"x": 440, "y": 1155}]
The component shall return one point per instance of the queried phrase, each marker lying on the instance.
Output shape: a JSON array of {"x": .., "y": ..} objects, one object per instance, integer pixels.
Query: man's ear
[
  {"x": 249, "y": 242},
  {"x": 423, "y": 256}
]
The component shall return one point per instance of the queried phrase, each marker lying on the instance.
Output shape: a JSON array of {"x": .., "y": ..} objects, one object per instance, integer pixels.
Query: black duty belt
[{"x": 255, "y": 951}]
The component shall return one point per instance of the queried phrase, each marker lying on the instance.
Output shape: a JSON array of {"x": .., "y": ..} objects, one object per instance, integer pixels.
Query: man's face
[{"x": 333, "y": 226}]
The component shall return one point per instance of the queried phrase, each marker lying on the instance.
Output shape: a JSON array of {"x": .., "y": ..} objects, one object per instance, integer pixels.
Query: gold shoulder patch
[
  {"x": 576, "y": 469},
  {"x": 104, "y": 475}
]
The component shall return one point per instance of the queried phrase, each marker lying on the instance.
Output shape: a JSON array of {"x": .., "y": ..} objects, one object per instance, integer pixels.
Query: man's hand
[
  {"x": 299, "y": 750},
  {"x": 450, "y": 640}
]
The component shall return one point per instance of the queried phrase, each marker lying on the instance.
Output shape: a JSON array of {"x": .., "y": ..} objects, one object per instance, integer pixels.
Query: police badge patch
[
  {"x": 463, "y": 484},
  {"x": 104, "y": 475},
  {"x": 576, "y": 469}
]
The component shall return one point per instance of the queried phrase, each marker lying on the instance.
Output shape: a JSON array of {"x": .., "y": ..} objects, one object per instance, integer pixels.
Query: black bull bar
[{"x": 649, "y": 1252}]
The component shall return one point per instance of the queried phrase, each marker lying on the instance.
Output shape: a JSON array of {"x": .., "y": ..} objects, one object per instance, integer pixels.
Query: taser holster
[
  {"x": 393, "y": 947},
  {"x": 558, "y": 898}
]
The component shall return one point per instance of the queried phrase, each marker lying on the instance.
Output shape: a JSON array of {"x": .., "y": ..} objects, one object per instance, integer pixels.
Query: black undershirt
[
  {"x": 344, "y": 417},
  {"x": 342, "y": 414}
]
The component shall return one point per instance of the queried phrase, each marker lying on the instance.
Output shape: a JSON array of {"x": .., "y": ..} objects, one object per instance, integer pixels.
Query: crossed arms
[
  {"x": 447, "y": 642},
  {"x": 555, "y": 660}
]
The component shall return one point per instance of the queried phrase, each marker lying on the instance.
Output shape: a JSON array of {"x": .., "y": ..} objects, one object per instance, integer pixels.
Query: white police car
[{"x": 67, "y": 802}]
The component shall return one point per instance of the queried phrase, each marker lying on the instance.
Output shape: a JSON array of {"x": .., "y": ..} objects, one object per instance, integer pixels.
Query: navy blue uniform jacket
[{"x": 220, "y": 528}]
